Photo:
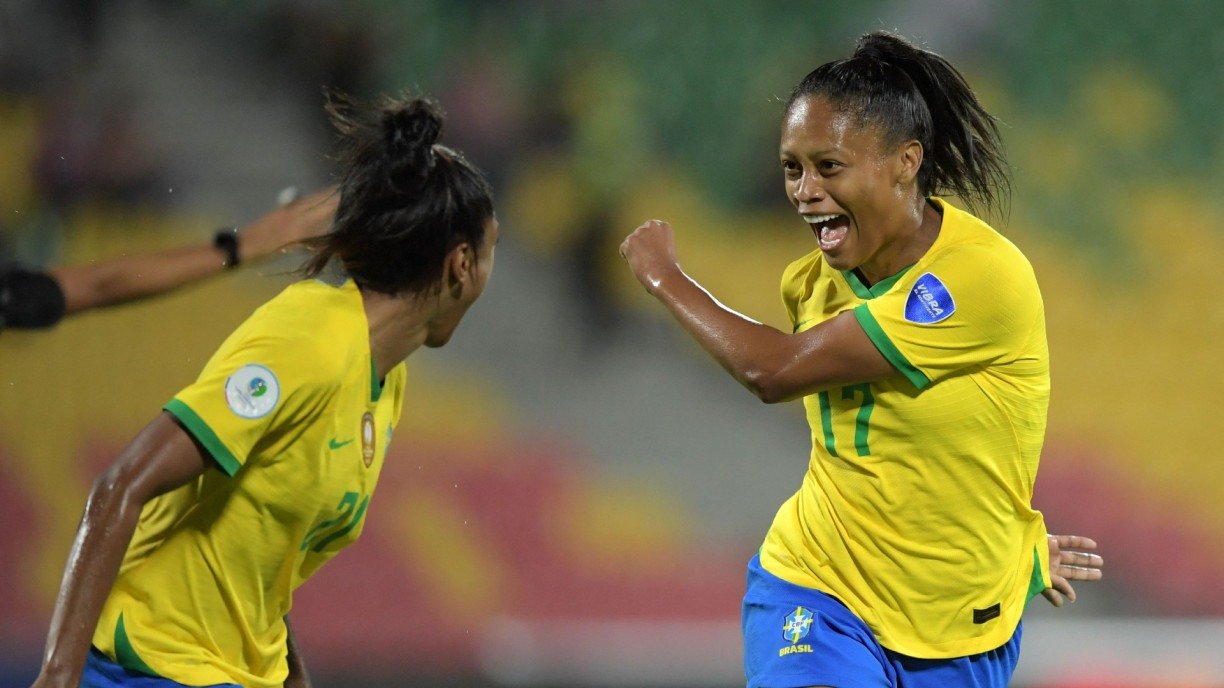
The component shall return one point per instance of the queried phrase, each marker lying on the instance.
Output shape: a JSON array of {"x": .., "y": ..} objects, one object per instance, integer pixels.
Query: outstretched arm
[
  {"x": 161, "y": 458},
  {"x": 774, "y": 365},
  {"x": 1071, "y": 558},
  {"x": 128, "y": 278}
]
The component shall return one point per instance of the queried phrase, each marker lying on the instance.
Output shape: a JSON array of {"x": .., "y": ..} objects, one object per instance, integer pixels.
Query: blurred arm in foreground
[{"x": 33, "y": 299}]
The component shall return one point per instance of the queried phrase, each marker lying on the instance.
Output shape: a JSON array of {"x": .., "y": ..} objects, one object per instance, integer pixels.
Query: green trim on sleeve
[
  {"x": 125, "y": 654},
  {"x": 877, "y": 336},
  {"x": 200, "y": 430},
  {"x": 1036, "y": 581}
]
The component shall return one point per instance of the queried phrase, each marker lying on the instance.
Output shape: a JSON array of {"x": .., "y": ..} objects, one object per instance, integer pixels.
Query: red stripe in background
[
  {"x": 378, "y": 609},
  {"x": 1158, "y": 548}
]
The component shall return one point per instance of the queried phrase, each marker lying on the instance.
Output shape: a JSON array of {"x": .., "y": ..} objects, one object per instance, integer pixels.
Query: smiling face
[{"x": 859, "y": 195}]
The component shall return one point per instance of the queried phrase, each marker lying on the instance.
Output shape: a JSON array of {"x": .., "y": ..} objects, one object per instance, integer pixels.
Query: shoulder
[
  {"x": 977, "y": 252},
  {"x": 308, "y": 330},
  {"x": 799, "y": 269},
  {"x": 798, "y": 277}
]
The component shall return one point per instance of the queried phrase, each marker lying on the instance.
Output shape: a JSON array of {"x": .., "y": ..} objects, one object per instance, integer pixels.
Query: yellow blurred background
[{"x": 575, "y": 489}]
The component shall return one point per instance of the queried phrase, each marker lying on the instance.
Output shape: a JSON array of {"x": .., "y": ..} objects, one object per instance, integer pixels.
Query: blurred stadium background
[{"x": 574, "y": 491}]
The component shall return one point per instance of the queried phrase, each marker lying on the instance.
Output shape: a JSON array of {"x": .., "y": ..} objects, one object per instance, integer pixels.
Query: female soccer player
[
  {"x": 910, "y": 550},
  {"x": 258, "y": 473}
]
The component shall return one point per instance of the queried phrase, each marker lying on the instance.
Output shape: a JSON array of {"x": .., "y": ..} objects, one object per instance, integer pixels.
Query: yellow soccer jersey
[
  {"x": 298, "y": 423},
  {"x": 915, "y": 510}
]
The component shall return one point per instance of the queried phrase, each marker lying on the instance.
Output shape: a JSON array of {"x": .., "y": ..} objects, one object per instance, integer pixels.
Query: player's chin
[
  {"x": 435, "y": 340},
  {"x": 841, "y": 260},
  {"x": 440, "y": 335}
]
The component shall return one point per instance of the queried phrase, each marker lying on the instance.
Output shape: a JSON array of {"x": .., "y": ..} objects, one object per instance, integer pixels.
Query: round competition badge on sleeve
[{"x": 252, "y": 391}]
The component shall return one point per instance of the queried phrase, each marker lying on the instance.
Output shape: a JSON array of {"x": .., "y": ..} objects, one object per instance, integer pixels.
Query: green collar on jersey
[
  {"x": 878, "y": 289},
  {"x": 375, "y": 385}
]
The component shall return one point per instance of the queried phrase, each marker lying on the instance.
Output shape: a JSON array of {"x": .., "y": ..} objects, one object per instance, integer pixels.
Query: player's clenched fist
[{"x": 651, "y": 252}]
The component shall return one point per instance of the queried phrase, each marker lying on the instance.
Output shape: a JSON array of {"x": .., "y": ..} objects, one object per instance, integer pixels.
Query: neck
[
  {"x": 398, "y": 326},
  {"x": 916, "y": 232}
]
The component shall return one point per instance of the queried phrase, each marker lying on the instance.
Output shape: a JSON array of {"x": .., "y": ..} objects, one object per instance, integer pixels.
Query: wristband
[{"x": 226, "y": 241}]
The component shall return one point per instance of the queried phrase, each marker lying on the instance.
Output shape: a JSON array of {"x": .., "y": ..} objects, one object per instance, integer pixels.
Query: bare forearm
[
  {"x": 773, "y": 365},
  {"x": 298, "y": 678},
  {"x": 93, "y": 563},
  {"x": 746, "y": 349},
  {"x": 129, "y": 278}
]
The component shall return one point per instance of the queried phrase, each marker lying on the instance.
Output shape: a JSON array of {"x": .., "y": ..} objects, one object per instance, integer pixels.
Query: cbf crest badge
[
  {"x": 798, "y": 624},
  {"x": 367, "y": 438}
]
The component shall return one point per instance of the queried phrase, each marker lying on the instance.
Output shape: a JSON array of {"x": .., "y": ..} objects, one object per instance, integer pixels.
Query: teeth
[{"x": 817, "y": 219}]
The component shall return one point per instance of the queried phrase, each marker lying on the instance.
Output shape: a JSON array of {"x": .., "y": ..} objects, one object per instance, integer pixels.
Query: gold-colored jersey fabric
[
  {"x": 298, "y": 423},
  {"x": 915, "y": 510}
]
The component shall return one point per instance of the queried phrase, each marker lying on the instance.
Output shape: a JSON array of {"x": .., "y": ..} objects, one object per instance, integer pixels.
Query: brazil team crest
[
  {"x": 367, "y": 438},
  {"x": 929, "y": 301},
  {"x": 798, "y": 624}
]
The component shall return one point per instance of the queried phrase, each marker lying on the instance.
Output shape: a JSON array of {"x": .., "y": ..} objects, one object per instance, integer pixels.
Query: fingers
[
  {"x": 1063, "y": 586},
  {"x": 1052, "y": 596},
  {"x": 1079, "y": 573},
  {"x": 1060, "y": 593},
  {"x": 1074, "y": 542},
  {"x": 1081, "y": 559},
  {"x": 643, "y": 233}
]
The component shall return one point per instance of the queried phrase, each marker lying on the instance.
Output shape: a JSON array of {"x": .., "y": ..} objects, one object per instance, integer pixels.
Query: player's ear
[
  {"x": 459, "y": 269},
  {"x": 908, "y": 162}
]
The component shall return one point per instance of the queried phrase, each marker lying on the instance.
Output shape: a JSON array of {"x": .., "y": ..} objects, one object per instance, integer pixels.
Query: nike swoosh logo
[
  {"x": 801, "y": 323},
  {"x": 333, "y": 444}
]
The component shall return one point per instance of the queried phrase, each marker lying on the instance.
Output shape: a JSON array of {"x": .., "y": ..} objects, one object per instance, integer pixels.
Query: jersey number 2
[
  {"x": 350, "y": 515},
  {"x": 860, "y": 424}
]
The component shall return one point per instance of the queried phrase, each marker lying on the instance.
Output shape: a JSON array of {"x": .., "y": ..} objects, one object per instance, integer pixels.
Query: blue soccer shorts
[
  {"x": 796, "y": 637},
  {"x": 101, "y": 672}
]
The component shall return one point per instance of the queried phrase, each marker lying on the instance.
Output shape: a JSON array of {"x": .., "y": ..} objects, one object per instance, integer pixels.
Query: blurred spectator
[{"x": 93, "y": 149}]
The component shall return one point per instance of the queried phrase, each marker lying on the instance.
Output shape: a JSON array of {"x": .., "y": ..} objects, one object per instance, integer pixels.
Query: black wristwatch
[{"x": 226, "y": 241}]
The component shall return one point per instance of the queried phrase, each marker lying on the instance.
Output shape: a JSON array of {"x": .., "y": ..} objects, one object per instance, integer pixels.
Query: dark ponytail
[
  {"x": 405, "y": 200},
  {"x": 914, "y": 94}
]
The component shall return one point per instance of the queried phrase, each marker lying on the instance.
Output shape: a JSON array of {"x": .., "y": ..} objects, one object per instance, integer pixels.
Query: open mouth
[{"x": 830, "y": 230}]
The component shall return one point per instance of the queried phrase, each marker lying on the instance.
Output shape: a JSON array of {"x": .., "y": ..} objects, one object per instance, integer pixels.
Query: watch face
[{"x": 226, "y": 240}]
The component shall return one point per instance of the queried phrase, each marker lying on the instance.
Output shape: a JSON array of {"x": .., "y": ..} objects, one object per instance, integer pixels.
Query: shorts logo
[
  {"x": 252, "y": 391},
  {"x": 929, "y": 302},
  {"x": 798, "y": 624}
]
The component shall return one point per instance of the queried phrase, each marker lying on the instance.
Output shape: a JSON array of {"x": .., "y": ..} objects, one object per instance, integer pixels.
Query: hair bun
[
  {"x": 884, "y": 46},
  {"x": 410, "y": 130}
]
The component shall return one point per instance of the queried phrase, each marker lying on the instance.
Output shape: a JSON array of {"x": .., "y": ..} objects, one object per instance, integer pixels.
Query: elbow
[
  {"x": 766, "y": 386},
  {"x": 112, "y": 496}
]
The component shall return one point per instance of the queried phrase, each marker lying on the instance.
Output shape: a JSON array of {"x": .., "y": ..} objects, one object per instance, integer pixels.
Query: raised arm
[
  {"x": 161, "y": 458},
  {"x": 773, "y": 365},
  {"x": 128, "y": 278}
]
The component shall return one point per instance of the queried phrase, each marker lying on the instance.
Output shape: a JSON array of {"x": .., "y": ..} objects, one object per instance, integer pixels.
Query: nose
[{"x": 808, "y": 190}]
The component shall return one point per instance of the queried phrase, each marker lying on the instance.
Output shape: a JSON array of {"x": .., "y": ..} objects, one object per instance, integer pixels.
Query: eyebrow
[{"x": 826, "y": 151}]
